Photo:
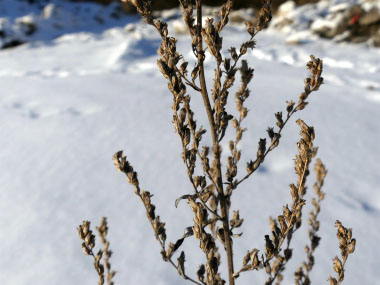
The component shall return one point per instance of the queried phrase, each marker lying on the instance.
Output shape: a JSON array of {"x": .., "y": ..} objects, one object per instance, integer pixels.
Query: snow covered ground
[{"x": 68, "y": 103}]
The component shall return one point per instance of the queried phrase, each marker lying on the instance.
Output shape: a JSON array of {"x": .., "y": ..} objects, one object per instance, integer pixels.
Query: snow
[
  {"x": 331, "y": 22},
  {"x": 74, "y": 95}
]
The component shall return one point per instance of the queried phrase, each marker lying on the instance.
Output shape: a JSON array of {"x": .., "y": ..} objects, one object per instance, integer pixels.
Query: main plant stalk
[{"x": 219, "y": 180}]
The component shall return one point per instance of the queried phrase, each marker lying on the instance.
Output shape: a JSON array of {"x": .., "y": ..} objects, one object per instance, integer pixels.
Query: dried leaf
[
  {"x": 201, "y": 272},
  {"x": 181, "y": 264},
  {"x": 178, "y": 243},
  {"x": 237, "y": 235},
  {"x": 181, "y": 198},
  {"x": 188, "y": 232}
]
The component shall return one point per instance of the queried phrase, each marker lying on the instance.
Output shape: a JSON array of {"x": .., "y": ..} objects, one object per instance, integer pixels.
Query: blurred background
[
  {"x": 356, "y": 21},
  {"x": 238, "y": 4}
]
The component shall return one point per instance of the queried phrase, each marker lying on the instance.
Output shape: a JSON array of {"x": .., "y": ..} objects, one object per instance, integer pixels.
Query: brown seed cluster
[
  {"x": 124, "y": 166},
  {"x": 101, "y": 259},
  {"x": 347, "y": 246},
  {"x": 302, "y": 274},
  {"x": 88, "y": 238},
  {"x": 283, "y": 228},
  {"x": 207, "y": 244}
]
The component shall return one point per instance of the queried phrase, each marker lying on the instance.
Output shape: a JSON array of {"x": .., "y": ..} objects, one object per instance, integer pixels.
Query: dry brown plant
[
  {"x": 213, "y": 181},
  {"x": 347, "y": 246},
  {"x": 101, "y": 259},
  {"x": 302, "y": 274}
]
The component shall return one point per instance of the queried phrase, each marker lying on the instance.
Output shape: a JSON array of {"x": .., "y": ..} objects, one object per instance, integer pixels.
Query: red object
[{"x": 354, "y": 20}]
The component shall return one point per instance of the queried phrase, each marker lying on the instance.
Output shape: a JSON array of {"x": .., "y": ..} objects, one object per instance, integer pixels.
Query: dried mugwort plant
[{"x": 213, "y": 188}]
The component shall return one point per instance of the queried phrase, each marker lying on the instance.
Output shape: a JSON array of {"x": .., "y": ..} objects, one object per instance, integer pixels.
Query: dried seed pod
[
  {"x": 237, "y": 155},
  {"x": 280, "y": 122},
  {"x": 181, "y": 264},
  {"x": 205, "y": 151},
  {"x": 183, "y": 67},
  {"x": 268, "y": 268},
  {"x": 351, "y": 246},
  {"x": 251, "y": 28},
  {"x": 194, "y": 73},
  {"x": 201, "y": 272},
  {"x": 333, "y": 281},
  {"x": 227, "y": 64},
  {"x": 269, "y": 247},
  {"x": 243, "y": 49},
  {"x": 283, "y": 224},
  {"x": 250, "y": 167},
  {"x": 170, "y": 250},
  {"x": 85, "y": 249},
  {"x": 236, "y": 221},
  {"x": 288, "y": 253},
  {"x": 235, "y": 123},
  {"x": 270, "y": 133},
  {"x": 294, "y": 192},
  {"x": 231, "y": 145},
  {"x": 338, "y": 267},
  {"x": 164, "y": 68},
  {"x": 261, "y": 150},
  {"x": 233, "y": 53},
  {"x": 290, "y": 106},
  {"x": 244, "y": 112},
  {"x": 255, "y": 263}
]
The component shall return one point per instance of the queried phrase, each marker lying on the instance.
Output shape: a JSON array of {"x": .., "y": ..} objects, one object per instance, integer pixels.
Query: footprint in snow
[
  {"x": 370, "y": 85},
  {"x": 373, "y": 96},
  {"x": 37, "y": 112},
  {"x": 357, "y": 203},
  {"x": 131, "y": 52}
]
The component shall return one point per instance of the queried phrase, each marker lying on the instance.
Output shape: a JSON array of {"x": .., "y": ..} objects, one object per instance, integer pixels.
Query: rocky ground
[{"x": 352, "y": 21}]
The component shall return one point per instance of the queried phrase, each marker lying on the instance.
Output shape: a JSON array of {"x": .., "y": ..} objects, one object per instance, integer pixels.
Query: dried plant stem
[
  {"x": 271, "y": 146},
  {"x": 124, "y": 166},
  {"x": 188, "y": 82},
  {"x": 219, "y": 181}
]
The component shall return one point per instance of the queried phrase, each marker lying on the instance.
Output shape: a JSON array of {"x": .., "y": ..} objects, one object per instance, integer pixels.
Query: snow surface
[{"x": 68, "y": 103}]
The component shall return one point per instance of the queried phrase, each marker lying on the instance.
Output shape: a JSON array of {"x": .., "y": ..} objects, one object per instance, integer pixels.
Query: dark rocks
[
  {"x": 12, "y": 44},
  {"x": 26, "y": 25},
  {"x": 363, "y": 24},
  {"x": 356, "y": 23},
  {"x": 369, "y": 18},
  {"x": 376, "y": 39}
]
